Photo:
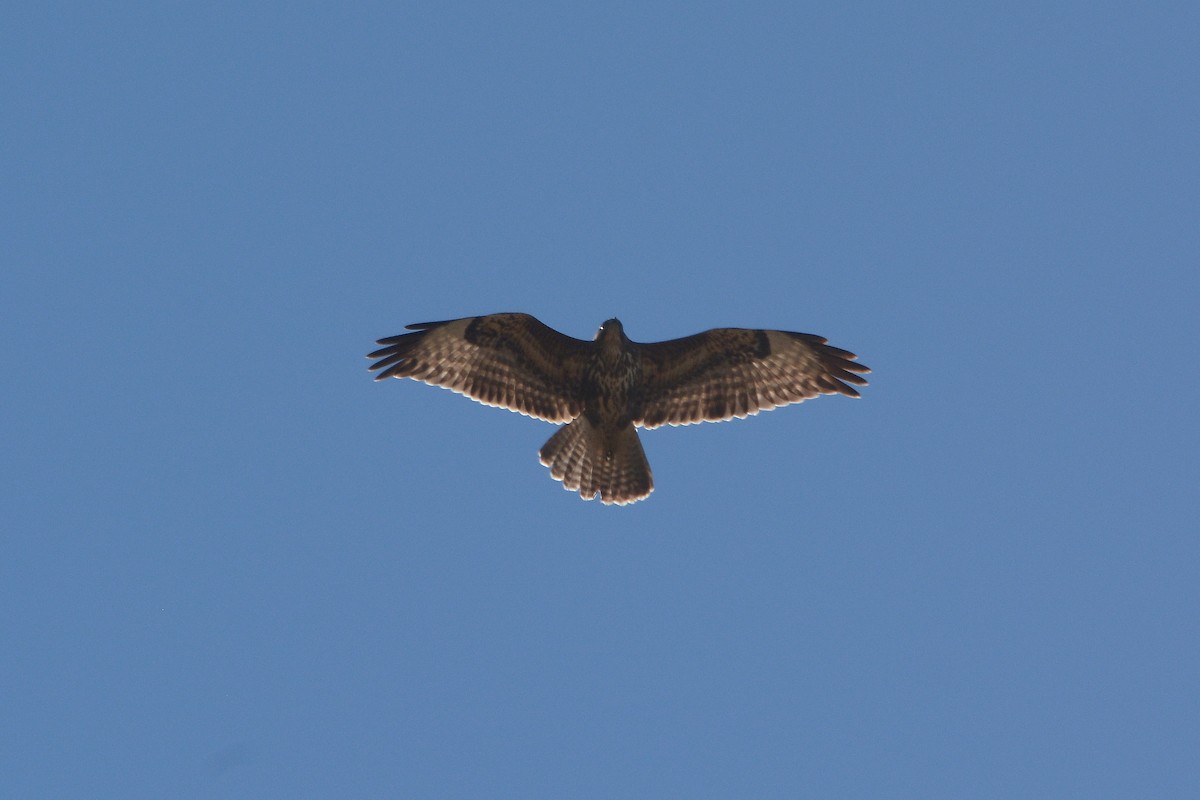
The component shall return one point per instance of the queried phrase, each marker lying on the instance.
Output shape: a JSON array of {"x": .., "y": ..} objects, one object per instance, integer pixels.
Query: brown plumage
[{"x": 605, "y": 388}]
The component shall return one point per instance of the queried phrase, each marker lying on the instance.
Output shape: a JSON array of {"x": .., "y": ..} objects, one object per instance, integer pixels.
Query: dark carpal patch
[{"x": 762, "y": 344}]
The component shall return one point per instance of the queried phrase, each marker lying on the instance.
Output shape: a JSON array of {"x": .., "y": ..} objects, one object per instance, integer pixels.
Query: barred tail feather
[{"x": 590, "y": 460}]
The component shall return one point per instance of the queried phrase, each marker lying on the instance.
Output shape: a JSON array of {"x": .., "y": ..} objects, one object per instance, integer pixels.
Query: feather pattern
[
  {"x": 735, "y": 372},
  {"x": 510, "y": 361}
]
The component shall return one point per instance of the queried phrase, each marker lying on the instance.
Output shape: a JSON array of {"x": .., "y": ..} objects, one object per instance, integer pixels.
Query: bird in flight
[{"x": 606, "y": 388}]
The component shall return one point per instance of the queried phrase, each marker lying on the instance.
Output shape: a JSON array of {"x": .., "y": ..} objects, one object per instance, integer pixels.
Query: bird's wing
[
  {"x": 511, "y": 361},
  {"x": 735, "y": 372}
]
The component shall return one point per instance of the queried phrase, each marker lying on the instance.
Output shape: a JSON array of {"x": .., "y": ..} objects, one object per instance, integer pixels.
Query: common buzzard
[{"x": 605, "y": 388}]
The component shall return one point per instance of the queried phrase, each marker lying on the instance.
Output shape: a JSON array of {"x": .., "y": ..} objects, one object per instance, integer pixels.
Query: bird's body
[
  {"x": 606, "y": 388},
  {"x": 612, "y": 378}
]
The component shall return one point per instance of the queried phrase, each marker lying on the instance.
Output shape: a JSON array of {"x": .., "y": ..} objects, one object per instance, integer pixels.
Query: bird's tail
[{"x": 588, "y": 459}]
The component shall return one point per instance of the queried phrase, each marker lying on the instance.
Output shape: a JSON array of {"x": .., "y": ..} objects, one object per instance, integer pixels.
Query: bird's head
[
  {"x": 610, "y": 329},
  {"x": 611, "y": 335}
]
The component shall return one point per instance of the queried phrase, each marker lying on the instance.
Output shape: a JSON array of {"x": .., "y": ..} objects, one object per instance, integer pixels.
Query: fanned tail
[{"x": 590, "y": 460}]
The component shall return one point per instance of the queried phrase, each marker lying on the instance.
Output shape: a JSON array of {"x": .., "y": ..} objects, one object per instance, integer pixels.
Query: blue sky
[{"x": 234, "y": 566}]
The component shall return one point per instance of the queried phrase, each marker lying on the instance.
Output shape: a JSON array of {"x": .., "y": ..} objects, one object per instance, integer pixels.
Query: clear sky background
[{"x": 234, "y": 566}]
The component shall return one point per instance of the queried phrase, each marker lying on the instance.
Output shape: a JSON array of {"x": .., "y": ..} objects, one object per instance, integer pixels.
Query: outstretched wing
[
  {"x": 736, "y": 372},
  {"x": 511, "y": 361}
]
